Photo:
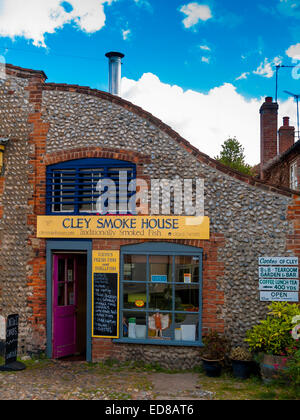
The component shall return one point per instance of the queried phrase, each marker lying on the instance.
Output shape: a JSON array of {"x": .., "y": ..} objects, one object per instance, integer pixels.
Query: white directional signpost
[{"x": 278, "y": 279}]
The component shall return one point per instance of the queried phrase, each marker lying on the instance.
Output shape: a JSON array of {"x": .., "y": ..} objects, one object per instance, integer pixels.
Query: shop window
[
  {"x": 72, "y": 185},
  {"x": 161, "y": 286}
]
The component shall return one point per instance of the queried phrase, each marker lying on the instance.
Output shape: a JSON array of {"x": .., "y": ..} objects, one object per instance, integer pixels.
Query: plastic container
[
  {"x": 188, "y": 332},
  {"x": 132, "y": 328},
  {"x": 178, "y": 334},
  {"x": 140, "y": 331}
]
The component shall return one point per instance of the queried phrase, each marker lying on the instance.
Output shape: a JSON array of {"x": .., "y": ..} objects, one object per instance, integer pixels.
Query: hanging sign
[
  {"x": 123, "y": 227},
  {"x": 278, "y": 272},
  {"x": 278, "y": 284},
  {"x": 105, "y": 305},
  {"x": 286, "y": 261},
  {"x": 278, "y": 279},
  {"x": 275, "y": 296}
]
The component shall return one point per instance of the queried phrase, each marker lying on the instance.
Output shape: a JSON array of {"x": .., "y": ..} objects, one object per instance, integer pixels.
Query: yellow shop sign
[{"x": 123, "y": 227}]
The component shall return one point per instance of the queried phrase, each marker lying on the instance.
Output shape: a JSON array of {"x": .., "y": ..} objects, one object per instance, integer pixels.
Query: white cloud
[
  {"x": 126, "y": 34},
  {"x": 243, "y": 76},
  {"x": 206, "y": 120},
  {"x": 195, "y": 12},
  {"x": 266, "y": 68},
  {"x": 143, "y": 3},
  {"x": 294, "y": 51},
  {"x": 205, "y": 60},
  {"x": 290, "y": 8},
  {"x": 204, "y": 47},
  {"x": 32, "y": 19}
]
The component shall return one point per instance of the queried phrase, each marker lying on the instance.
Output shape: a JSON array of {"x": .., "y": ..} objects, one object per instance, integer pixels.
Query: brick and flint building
[{"x": 79, "y": 289}]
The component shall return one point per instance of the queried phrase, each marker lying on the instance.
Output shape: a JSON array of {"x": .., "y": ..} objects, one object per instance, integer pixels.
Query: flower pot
[
  {"x": 241, "y": 369},
  {"x": 212, "y": 368},
  {"x": 272, "y": 367}
]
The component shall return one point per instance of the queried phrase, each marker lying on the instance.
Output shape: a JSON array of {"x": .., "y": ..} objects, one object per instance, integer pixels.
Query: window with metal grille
[{"x": 72, "y": 185}]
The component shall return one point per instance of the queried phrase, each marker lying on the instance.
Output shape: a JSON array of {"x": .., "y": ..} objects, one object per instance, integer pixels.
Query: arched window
[{"x": 72, "y": 185}]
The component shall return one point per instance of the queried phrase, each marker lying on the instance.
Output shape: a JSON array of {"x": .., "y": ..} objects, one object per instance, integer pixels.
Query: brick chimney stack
[
  {"x": 268, "y": 131},
  {"x": 286, "y": 135}
]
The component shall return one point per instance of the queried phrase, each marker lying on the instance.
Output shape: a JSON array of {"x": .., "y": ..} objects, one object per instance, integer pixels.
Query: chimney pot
[
  {"x": 286, "y": 136},
  {"x": 286, "y": 121},
  {"x": 115, "y": 72}
]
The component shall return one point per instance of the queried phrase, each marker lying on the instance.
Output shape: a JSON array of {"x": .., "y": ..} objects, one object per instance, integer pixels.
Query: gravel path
[{"x": 60, "y": 380}]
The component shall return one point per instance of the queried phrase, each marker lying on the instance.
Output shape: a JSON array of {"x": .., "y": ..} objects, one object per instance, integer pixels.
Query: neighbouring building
[
  {"x": 128, "y": 287},
  {"x": 280, "y": 159}
]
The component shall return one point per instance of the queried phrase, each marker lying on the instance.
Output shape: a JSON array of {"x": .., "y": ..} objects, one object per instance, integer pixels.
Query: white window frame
[{"x": 294, "y": 175}]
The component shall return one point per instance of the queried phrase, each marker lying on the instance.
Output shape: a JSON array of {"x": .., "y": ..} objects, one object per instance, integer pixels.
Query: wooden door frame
[{"x": 70, "y": 246}]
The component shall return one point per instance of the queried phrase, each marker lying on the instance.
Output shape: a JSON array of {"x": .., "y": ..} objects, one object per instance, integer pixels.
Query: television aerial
[{"x": 296, "y": 97}]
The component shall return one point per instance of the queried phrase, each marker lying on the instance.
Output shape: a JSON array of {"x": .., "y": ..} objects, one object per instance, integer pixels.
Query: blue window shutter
[{"x": 71, "y": 186}]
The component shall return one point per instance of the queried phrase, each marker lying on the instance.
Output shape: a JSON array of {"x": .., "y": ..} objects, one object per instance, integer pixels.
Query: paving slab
[
  {"x": 179, "y": 386},
  {"x": 60, "y": 380}
]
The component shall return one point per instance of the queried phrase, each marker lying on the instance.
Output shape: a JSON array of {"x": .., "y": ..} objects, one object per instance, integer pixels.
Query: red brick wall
[
  {"x": 293, "y": 240},
  {"x": 286, "y": 136},
  {"x": 37, "y": 277}
]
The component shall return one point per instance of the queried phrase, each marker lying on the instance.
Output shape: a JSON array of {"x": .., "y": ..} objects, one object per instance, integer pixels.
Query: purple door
[{"x": 64, "y": 305}]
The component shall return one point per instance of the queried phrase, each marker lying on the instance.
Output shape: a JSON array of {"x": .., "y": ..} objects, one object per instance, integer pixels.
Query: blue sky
[{"x": 204, "y": 67}]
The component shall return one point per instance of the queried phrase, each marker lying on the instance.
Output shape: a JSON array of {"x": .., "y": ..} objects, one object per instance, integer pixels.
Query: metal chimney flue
[{"x": 115, "y": 72}]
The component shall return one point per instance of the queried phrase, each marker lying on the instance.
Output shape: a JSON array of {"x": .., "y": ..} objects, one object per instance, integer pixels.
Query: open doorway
[{"x": 69, "y": 311}]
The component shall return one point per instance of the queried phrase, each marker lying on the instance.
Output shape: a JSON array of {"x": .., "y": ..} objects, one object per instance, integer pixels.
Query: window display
[{"x": 161, "y": 297}]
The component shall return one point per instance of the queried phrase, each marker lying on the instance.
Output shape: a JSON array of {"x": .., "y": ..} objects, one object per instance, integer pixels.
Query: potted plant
[
  {"x": 272, "y": 339},
  {"x": 241, "y": 360},
  {"x": 213, "y": 354}
]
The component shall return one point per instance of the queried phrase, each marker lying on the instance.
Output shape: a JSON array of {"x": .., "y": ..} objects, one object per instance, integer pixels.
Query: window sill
[{"x": 159, "y": 342}]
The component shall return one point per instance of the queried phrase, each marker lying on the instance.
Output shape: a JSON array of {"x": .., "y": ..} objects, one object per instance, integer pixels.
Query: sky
[{"x": 203, "y": 67}]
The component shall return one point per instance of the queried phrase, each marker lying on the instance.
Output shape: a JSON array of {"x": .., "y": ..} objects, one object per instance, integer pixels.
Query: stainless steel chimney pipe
[{"x": 115, "y": 72}]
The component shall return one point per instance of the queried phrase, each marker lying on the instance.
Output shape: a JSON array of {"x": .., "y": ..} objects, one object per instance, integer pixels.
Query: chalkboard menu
[
  {"x": 11, "y": 345},
  {"x": 105, "y": 313}
]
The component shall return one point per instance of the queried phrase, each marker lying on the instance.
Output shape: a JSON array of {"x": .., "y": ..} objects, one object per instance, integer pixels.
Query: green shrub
[
  {"x": 215, "y": 346},
  {"x": 273, "y": 335},
  {"x": 292, "y": 371}
]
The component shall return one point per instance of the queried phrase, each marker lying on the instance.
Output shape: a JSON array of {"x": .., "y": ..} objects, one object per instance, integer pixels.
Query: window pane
[
  {"x": 134, "y": 295},
  {"x": 135, "y": 268},
  {"x": 187, "y": 298},
  {"x": 134, "y": 325},
  {"x": 160, "y": 269},
  {"x": 61, "y": 294},
  {"x": 70, "y": 294},
  {"x": 160, "y": 296},
  {"x": 186, "y": 269},
  {"x": 88, "y": 194},
  {"x": 159, "y": 326},
  {"x": 61, "y": 270},
  {"x": 186, "y": 327}
]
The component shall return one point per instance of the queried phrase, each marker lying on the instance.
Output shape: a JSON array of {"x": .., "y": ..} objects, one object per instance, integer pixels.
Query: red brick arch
[{"x": 96, "y": 152}]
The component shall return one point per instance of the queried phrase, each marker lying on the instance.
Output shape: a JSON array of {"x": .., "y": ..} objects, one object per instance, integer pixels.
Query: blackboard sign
[
  {"x": 11, "y": 345},
  {"x": 105, "y": 308}
]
